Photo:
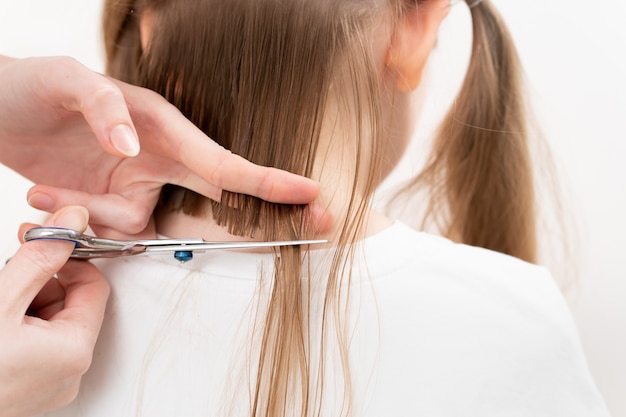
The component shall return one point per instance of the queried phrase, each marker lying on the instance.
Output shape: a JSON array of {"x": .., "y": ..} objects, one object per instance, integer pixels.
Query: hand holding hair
[
  {"x": 53, "y": 108},
  {"x": 48, "y": 327}
]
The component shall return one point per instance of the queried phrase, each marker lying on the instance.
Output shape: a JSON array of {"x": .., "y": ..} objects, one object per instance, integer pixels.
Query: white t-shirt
[{"x": 436, "y": 329}]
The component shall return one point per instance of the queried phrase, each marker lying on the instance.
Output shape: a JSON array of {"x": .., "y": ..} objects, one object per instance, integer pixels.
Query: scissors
[{"x": 90, "y": 247}]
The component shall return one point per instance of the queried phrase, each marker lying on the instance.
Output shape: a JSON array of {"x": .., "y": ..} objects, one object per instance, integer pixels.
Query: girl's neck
[
  {"x": 334, "y": 170},
  {"x": 180, "y": 225}
]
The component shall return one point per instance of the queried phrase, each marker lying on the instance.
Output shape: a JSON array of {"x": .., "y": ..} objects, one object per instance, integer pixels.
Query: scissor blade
[{"x": 205, "y": 246}]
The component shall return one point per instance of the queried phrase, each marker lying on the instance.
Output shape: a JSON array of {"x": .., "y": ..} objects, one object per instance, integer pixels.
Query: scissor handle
[
  {"x": 79, "y": 239},
  {"x": 85, "y": 246}
]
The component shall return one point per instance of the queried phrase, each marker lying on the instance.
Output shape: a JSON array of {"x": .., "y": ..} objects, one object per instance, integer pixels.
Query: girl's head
[{"x": 314, "y": 87}]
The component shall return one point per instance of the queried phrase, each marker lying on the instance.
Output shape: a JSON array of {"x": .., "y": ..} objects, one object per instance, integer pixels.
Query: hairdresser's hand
[
  {"x": 70, "y": 128},
  {"x": 44, "y": 354}
]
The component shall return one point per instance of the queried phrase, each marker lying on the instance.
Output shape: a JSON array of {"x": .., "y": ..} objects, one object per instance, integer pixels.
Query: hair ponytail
[{"x": 479, "y": 172}]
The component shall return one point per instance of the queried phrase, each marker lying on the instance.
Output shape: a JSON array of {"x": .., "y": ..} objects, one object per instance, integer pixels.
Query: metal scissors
[{"x": 90, "y": 247}]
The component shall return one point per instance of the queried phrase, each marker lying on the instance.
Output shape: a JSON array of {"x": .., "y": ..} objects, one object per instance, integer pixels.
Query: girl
[{"x": 385, "y": 321}]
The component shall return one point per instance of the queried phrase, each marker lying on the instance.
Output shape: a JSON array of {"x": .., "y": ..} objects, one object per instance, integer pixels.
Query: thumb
[
  {"x": 101, "y": 103},
  {"x": 71, "y": 217},
  {"x": 107, "y": 114},
  {"x": 35, "y": 262}
]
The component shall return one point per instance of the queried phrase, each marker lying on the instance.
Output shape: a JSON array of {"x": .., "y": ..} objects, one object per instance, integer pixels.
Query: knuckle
[
  {"x": 157, "y": 115},
  {"x": 137, "y": 219},
  {"x": 61, "y": 65},
  {"x": 104, "y": 93},
  {"x": 78, "y": 356},
  {"x": 82, "y": 362},
  {"x": 57, "y": 68},
  {"x": 265, "y": 188},
  {"x": 220, "y": 166},
  {"x": 67, "y": 394}
]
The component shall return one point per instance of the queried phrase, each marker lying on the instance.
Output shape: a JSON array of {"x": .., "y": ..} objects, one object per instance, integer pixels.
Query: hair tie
[{"x": 472, "y": 4}]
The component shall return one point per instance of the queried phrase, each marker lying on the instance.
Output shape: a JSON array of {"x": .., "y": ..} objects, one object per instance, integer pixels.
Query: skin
[
  {"x": 72, "y": 129},
  {"x": 44, "y": 354}
]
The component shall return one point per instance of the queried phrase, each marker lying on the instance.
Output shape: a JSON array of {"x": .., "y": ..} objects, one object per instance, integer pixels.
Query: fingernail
[
  {"x": 75, "y": 218},
  {"x": 124, "y": 140},
  {"x": 41, "y": 201}
]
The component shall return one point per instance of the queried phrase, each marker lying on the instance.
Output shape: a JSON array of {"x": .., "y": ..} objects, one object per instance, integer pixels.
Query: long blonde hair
[
  {"x": 256, "y": 76},
  {"x": 479, "y": 175}
]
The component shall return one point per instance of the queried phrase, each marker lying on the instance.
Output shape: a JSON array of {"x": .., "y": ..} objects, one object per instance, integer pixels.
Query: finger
[
  {"x": 231, "y": 172},
  {"x": 49, "y": 301},
  {"x": 111, "y": 215},
  {"x": 24, "y": 227},
  {"x": 148, "y": 172},
  {"x": 165, "y": 130},
  {"x": 129, "y": 215},
  {"x": 102, "y": 104},
  {"x": 86, "y": 296},
  {"x": 35, "y": 262},
  {"x": 111, "y": 210}
]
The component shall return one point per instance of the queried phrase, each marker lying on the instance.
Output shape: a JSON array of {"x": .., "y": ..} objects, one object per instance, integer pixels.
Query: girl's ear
[{"x": 413, "y": 40}]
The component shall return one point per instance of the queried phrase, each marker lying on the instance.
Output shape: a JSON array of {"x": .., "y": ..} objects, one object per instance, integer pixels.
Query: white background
[{"x": 574, "y": 55}]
